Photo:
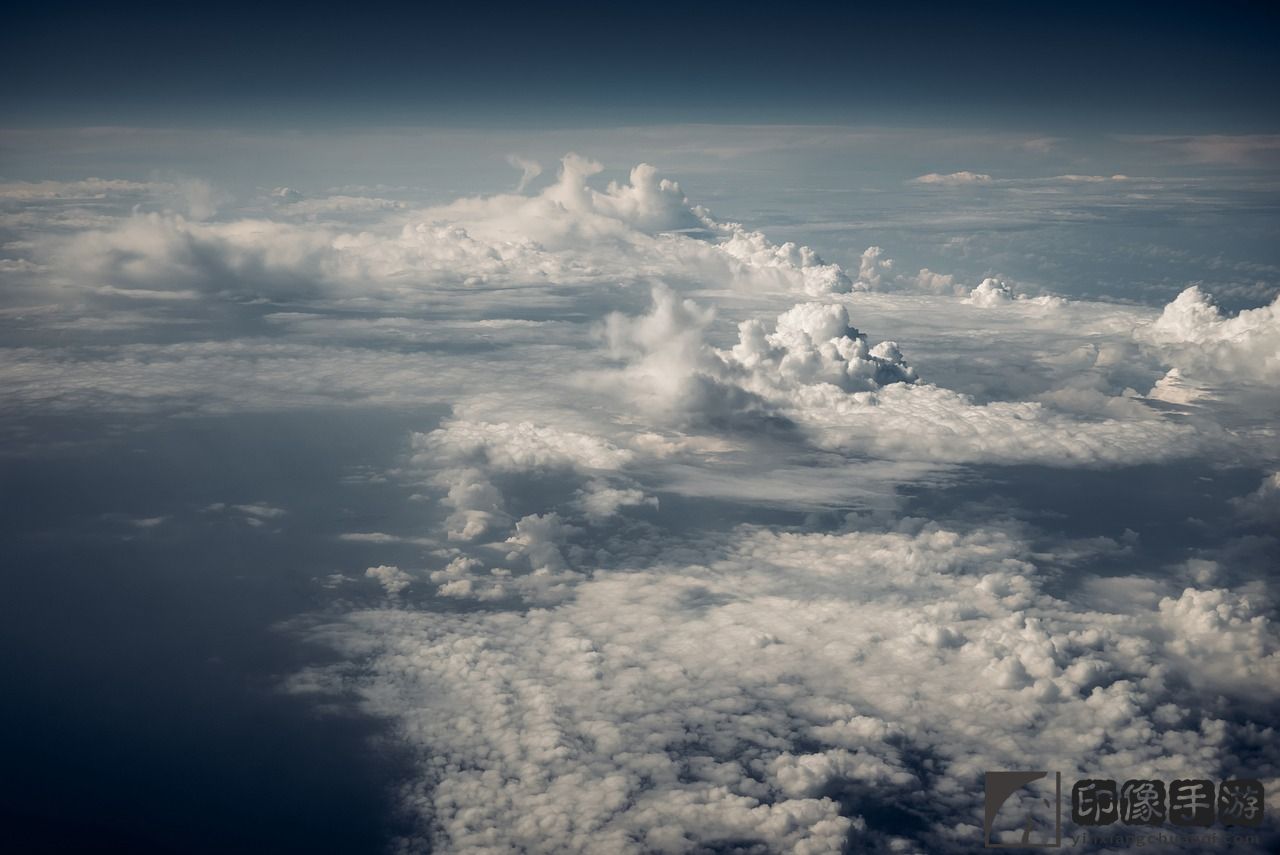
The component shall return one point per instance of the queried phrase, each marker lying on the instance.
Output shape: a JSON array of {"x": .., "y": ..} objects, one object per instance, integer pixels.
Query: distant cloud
[
  {"x": 1226, "y": 149},
  {"x": 382, "y": 538},
  {"x": 953, "y": 179},
  {"x": 960, "y": 179},
  {"x": 256, "y": 515}
]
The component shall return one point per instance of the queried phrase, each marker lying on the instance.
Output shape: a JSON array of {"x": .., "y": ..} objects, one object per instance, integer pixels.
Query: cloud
[
  {"x": 1198, "y": 338},
  {"x": 1229, "y": 149},
  {"x": 87, "y": 189},
  {"x": 961, "y": 179},
  {"x": 599, "y": 500},
  {"x": 518, "y": 447},
  {"x": 529, "y": 170},
  {"x": 815, "y": 371},
  {"x": 391, "y": 578},
  {"x": 255, "y": 515},
  {"x": 810, "y": 344},
  {"x": 953, "y": 179},
  {"x": 338, "y": 205},
  {"x": 992, "y": 292},
  {"x": 796, "y": 267},
  {"x": 465, "y": 456},
  {"x": 1263, "y": 504},
  {"x": 747, "y": 691},
  {"x": 379, "y": 537},
  {"x": 568, "y": 233}
]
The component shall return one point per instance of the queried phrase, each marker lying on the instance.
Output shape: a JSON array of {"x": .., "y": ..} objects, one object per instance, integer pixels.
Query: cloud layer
[{"x": 712, "y": 544}]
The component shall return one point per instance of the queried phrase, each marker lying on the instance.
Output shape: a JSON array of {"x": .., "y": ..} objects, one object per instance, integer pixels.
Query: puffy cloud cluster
[
  {"x": 1198, "y": 338},
  {"x": 990, "y": 292},
  {"x": 391, "y": 578},
  {"x": 816, "y": 371},
  {"x": 464, "y": 459},
  {"x": 752, "y": 691},
  {"x": 814, "y": 343},
  {"x": 876, "y": 272},
  {"x": 1263, "y": 504},
  {"x": 810, "y": 344},
  {"x": 796, "y": 267},
  {"x": 568, "y": 233},
  {"x": 993, "y": 292}
]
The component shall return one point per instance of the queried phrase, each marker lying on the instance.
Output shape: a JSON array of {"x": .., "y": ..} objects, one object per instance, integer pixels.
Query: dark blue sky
[{"x": 1174, "y": 67}]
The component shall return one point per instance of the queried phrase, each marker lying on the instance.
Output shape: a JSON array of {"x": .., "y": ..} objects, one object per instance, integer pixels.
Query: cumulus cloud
[
  {"x": 816, "y": 371},
  {"x": 1197, "y": 337},
  {"x": 992, "y": 292},
  {"x": 796, "y": 266},
  {"x": 465, "y": 460},
  {"x": 600, "y": 500},
  {"x": 392, "y": 579},
  {"x": 1263, "y": 504},
  {"x": 810, "y": 344},
  {"x": 748, "y": 691}
]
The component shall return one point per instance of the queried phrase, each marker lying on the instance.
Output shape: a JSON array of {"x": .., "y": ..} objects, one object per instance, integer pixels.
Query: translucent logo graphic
[{"x": 1023, "y": 810}]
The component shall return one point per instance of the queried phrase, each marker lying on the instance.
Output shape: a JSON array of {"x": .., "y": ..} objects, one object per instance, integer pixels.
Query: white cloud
[
  {"x": 992, "y": 292},
  {"x": 87, "y": 189},
  {"x": 599, "y": 500},
  {"x": 1263, "y": 504},
  {"x": 380, "y": 537},
  {"x": 391, "y": 578},
  {"x": 569, "y": 233},
  {"x": 529, "y": 170},
  {"x": 796, "y": 267},
  {"x": 1198, "y": 338},
  {"x": 518, "y": 447},
  {"x": 464, "y": 457},
  {"x": 961, "y": 179},
  {"x": 816, "y": 371},
  {"x": 730, "y": 694},
  {"x": 953, "y": 179}
]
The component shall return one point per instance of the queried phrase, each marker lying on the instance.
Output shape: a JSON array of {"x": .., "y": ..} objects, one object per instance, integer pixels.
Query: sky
[
  {"x": 1177, "y": 67},
  {"x": 633, "y": 430}
]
